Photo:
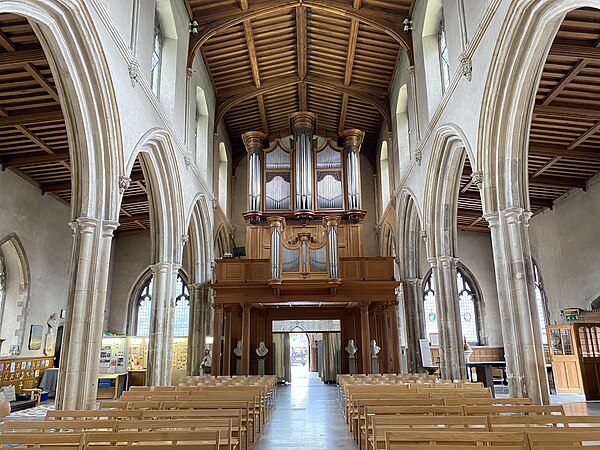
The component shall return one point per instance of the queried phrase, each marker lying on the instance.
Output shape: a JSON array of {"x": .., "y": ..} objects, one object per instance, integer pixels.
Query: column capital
[
  {"x": 218, "y": 307},
  {"x": 411, "y": 71},
  {"x": 493, "y": 219},
  {"x": 364, "y": 306},
  {"x": 447, "y": 260},
  {"x": 246, "y": 306}
]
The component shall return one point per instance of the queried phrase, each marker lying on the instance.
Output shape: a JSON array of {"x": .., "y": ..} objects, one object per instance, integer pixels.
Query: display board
[
  {"x": 113, "y": 355},
  {"x": 23, "y": 373}
]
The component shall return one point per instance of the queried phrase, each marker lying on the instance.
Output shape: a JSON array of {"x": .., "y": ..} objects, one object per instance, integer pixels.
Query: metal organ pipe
[
  {"x": 303, "y": 125},
  {"x": 331, "y": 224},
  {"x": 352, "y": 141}
]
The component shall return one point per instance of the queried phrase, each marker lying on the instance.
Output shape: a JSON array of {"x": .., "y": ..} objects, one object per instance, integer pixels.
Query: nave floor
[{"x": 307, "y": 415}]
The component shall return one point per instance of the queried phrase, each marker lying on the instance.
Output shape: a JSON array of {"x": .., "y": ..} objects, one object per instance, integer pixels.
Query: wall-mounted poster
[{"x": 35, "y": 337}]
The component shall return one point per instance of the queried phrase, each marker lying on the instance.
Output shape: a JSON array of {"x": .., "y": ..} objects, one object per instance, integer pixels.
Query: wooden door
[
  {"x": 588, "y": 343},
  {"x": 565, "y": 362}
]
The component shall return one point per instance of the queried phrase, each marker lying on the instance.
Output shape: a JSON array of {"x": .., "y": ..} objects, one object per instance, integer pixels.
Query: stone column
[
  {"x": 197, "y": 336},
  {"x": 382, "y": 337},
  {"x": 525, "y": 365},
  {"x": 246, "y": 338},
  {"x": 366, "y": 337},
  {"x": 452, "y": 359},
  {"x": 218, "y": 332},
  {"x": 160, "y": 344},
  {"x": 227, "y": 341},
  {"x": 412, "y": 289},
  {"x": 352, "y": 141},
  {"x": 394, "y": 336},
  {"x": 82, "y": 339}
]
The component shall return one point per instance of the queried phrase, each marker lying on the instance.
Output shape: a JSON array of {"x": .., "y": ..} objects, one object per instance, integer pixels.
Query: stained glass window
[
  {"x": 156, "y": 56},
  {"x": 144, "y": 310},
  {"x": 467, "y": 301},
  {"x": 443, "y": 53}
]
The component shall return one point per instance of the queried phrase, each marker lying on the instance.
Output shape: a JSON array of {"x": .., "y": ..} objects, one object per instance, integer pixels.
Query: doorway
[{"x": 299, "y": 354}]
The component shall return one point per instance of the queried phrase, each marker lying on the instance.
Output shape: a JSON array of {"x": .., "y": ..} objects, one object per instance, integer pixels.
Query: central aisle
[{"x": 306, "y": 416}]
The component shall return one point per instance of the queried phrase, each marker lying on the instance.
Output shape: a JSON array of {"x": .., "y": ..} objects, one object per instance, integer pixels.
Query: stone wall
[
  {"x": 41, "y": 224},
  {"x": 565, "y": 246}
]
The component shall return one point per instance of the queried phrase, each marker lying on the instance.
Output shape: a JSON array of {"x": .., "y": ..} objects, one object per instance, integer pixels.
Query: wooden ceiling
[
  {"x": 565, "y": 132},
  {"x": 33, "y": 136},
  {"x": 270, "y": 58}
]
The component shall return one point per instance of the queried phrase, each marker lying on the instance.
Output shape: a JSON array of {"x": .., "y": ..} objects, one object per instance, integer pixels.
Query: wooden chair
[{"x": 454, "y": 440}]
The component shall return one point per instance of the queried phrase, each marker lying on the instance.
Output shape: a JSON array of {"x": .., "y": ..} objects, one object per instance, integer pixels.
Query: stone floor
[{"x": 307, "y": 415}]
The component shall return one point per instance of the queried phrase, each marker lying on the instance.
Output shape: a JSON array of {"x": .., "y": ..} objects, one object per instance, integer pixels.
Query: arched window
[
  {"x": 443, "y": 53},
  {"x": 402, "y": 129},
  {"x": 541, "y": 301},
  {"x": 156, "y": 61},
  {"x": 468, "y": 301},
  {"x": 223, "y": 178},
  {"x": 143, "y": 309},
  {"x": 202, "y": 132},
  {"x": 384, "y": 168}
]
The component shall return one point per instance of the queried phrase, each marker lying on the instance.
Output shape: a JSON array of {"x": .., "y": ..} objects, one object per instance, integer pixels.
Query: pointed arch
[
  {"x": 509, "y": 95},
  {"x": 16, "y": 267},
  {"x": 409, "y": 233},
  {"x": 70, "y": 41},
  {"x": 450, "y": 148},
  {"x": 201, "y": 254},
  {"x": 165, "y": 194}
]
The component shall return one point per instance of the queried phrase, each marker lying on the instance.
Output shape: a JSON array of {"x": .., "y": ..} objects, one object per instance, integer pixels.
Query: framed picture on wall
[{"x": 35, "y": 337}]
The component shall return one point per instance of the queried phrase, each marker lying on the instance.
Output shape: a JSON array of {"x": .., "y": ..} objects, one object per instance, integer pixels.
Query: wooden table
[{"x": 117, "y": 385}]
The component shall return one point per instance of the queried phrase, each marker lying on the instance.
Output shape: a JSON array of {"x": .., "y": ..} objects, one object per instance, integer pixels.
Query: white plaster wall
[
  {"x": 475, "y": 252},
  {"x": 240, "y": 199},
  {"x": 41, "y": 223},
  {"x": 565, "y": 245},
  {"x": 131, "y": 259}
]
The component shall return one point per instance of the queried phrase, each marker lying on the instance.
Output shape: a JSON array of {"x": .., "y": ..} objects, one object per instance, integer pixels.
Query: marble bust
[
  {"x": 351, "y": 348},
  {"x": 374, "y": 348},
  {"x": 238, "y": 349},
  {"x": 262, "y": 349}
]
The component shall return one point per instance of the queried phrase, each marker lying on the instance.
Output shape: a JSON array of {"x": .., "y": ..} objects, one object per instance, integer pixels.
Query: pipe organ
[
  {"x": 304, "y": 200},
  {"x": 304, "y": 252}
]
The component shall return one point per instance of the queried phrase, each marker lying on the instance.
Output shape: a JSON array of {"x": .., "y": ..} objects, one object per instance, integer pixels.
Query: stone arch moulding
[
  {"x": 514, "y": 74},
  {"x": 199, "y": 229},
  {"x": 25, "y": 284},
  {"x": 450, "y": 148},
  {"x": 70, "y": 41},
  {"x": 409, "y": 235},
  {"x": 165, "y": 194}
]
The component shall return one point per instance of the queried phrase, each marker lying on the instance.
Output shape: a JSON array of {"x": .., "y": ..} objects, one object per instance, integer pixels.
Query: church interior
[{"x": 320, "y": 224}]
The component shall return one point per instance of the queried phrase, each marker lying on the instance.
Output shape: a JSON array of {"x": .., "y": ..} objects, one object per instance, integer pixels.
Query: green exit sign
[{"x": 571, "y": 317}]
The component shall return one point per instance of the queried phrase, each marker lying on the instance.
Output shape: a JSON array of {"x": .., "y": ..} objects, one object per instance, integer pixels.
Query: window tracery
[
  {"x": 181, "y": 322},
  {"x": 469, "y": 306}
]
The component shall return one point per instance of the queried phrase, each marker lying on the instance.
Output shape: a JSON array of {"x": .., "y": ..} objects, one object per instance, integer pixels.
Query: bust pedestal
[
  {"x": 351, "y": 364},
  {"x": 261, "y": 365}
]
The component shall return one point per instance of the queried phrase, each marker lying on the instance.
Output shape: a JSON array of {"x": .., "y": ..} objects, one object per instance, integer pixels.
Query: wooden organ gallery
[{"x": 304, "y": 254}]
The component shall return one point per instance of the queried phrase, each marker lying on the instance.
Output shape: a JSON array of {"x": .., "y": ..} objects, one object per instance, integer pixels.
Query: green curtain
[
  {"x": 281, "y": 357},
  {"x": 332, "y": 357}
]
